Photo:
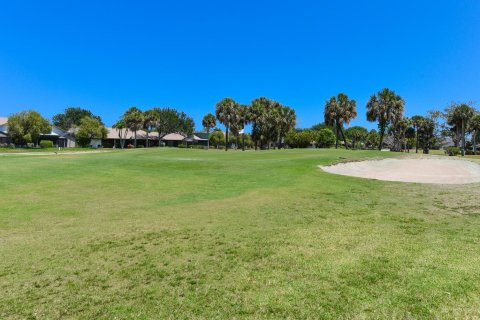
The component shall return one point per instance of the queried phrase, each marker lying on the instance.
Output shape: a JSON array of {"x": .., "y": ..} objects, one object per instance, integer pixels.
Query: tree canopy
[
  {"x": 72, "y": 117},
  {"x": 26, "y": 126},
  {"x": 385, "y": 107},
  {"x": 90, "y": 128}
]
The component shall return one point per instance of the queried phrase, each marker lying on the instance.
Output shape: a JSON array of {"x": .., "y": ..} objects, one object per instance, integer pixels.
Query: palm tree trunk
[
  {"x": 474, "y": 142},
  {"x": 344, "y": 140},
  {"x": 336, "y": 141},
  {"x": 416, "y": 139},
  {"x": 254, "y": 135},
  {"x": 208, "y": 138},
  {"x": 236, "y": 141},
  {"x": 463, "y": 137},
  {"x": 135, "y": 141},
  {"x": 226, "y": 138},
  {"x": 146, "y": 143},
  {"x": 380, "y": 144},
  {"x": 243, "y": 141}
]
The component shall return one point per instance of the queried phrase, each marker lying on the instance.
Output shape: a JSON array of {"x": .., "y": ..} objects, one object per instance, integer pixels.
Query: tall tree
[
  {"x": 209, "y": 122},
  {"x": 225, "y": 112},
  {"x": 150, "y": 122},
  {"x": 285, "y": 120},
  {"x": 399, "y": 130},
  {"x": 475, "y": 129},
  {"x": 385, "y": 107},
  {"x": 416, "y": 120},
  {"x": 173, "y": 121},
  {"x": 89, "y": 129},
  {"x": 133, "y": 118},
  {"x": 239, "y": 120},
  {"x": 27, "y": 126},
  {"x": 340, "y": 110},
  {"x": 459, "y": 116},
  {"x": 72, "y": 117},
  {"x": 186, "y": 123},
  {"x": 122, "y": 131},
  {"x": 426, "y": 130},
  {"x": 257, "y": 115},
  {"x": 373, "y": 138}
]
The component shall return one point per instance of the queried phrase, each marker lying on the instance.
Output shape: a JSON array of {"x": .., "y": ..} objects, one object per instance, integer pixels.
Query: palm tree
[
  {"x": 416, "y": 120},
  {"x": 209, "y": 122},
  {"x": 122, "y": 131},
  {"x": 385, "y": 107},
  {"x": 242, "y": 119},
  {"x": 256, "y": 116},
  {"x": 460, "y": 116},
  {"x": 133, "y": 118},
  {"x": 225, "y": 113},
  {"x": 475, "y": 128},
  {"x": 400, "y": 128},
  {"x": 339, "y": 110},
  {"x": 357, "y": 134},
  {"x": 285, "y": 120},
  {"x": 150, "y": 122}
]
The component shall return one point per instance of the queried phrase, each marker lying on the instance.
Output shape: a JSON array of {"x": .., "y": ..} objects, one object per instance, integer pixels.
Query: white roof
[
  {"x": 3, "y": 120},
  {"x": 173, "y": 137},
  {"x": 141, "y": 135}
]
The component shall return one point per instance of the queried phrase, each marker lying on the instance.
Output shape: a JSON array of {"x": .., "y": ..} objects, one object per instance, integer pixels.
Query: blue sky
[{"x": 109, "y": 55}]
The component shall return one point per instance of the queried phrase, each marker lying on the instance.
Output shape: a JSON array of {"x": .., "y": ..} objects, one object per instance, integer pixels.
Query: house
[
  {"x": 59, "y": 137},
  {"x": 113, "y": 140},
  {"x": 3, "y": 138},
  {"x": 173, "y": 139},
  {"x": 198, "y": 138}
]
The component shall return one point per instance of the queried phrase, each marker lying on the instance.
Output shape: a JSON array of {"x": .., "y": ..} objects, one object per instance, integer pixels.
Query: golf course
[{"x": 196, "y": 234}]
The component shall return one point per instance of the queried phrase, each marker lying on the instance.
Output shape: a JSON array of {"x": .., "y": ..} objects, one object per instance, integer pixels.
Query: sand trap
[{"x": 434, "y": 170}]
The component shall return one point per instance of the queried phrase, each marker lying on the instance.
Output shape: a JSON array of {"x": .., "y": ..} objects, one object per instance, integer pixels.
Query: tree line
[{"x": 273, "y": 125}]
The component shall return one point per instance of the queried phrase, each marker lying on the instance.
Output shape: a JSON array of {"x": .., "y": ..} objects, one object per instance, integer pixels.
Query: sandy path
[{"x": 435, "y": 170}]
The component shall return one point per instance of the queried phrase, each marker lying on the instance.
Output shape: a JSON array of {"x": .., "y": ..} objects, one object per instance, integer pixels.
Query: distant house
[
  {"x": 3, "y": 130},
  {"x": 198, "y": 138},
  {"x": 113, "y": 139},
  {"x": 173, "y": 139},
  {"x": 3, "y": 138},
  {"x": 59, "y": 137}
]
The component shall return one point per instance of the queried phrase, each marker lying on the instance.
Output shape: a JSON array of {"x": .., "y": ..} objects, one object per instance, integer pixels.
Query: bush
[
  {"x": 46, "y": 144},
  {"x": 130, "y": 146},
  {"x": 302, "y": 139},
  {"x": 452, "y": 151},
  {"x": 325, "y": 138},
  {"x": 182, "y": 146},
  {"x": 140, "y": 146}
]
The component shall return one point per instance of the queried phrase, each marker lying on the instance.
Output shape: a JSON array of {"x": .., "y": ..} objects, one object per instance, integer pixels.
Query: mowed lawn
[{"x": 186, "y": 234}]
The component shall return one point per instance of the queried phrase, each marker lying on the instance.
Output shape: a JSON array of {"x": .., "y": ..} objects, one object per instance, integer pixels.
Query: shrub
[
  {"x": 182, "y": 146},
  {"x": 140, "y": 146},
  {"x": 452, "y": 151},
  {"x": 130, "y": 146},
  {"x": 325, "y": 138},
  {"x": 46, "y": 144}
]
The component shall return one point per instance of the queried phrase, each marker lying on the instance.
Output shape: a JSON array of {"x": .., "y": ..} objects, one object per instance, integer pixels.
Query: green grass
[
  {"x": 24, "y": 150},
  {"x": 187, "y": 234}
]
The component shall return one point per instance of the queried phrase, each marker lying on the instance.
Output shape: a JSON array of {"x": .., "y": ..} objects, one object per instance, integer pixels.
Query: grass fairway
[{"x": 182, "y": 234}]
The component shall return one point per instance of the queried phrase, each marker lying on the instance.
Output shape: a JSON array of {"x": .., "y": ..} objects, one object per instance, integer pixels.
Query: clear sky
[{"x": 108, "y": 55}]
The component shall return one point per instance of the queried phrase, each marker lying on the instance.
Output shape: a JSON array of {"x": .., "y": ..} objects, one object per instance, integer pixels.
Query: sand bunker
[{"x": 434, "y": 170}]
